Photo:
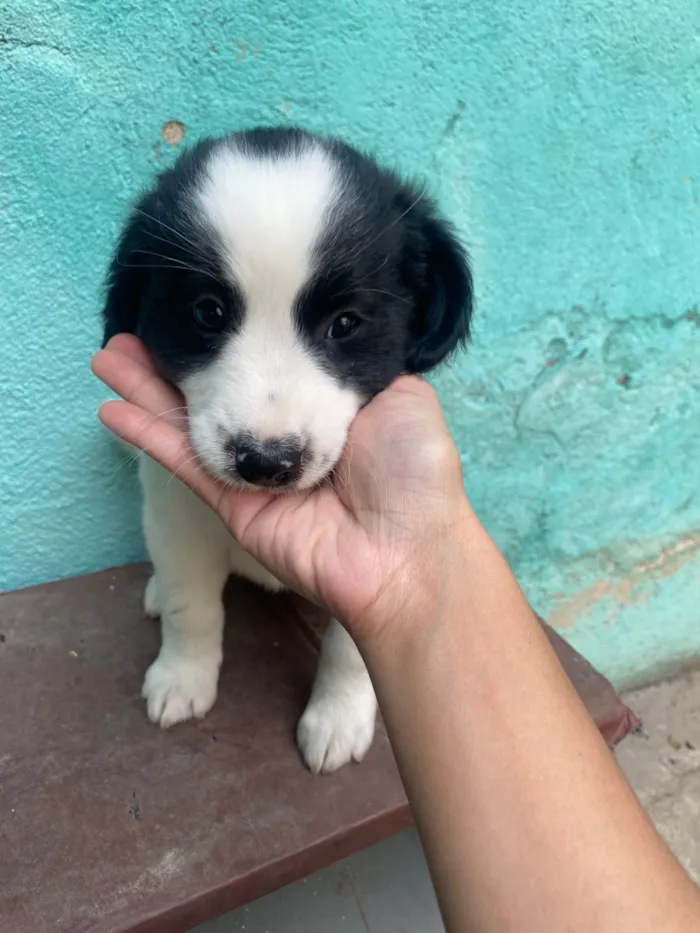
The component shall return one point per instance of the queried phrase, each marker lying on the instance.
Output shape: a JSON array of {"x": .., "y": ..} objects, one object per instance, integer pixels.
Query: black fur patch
[{"x": 386, "y": 256}]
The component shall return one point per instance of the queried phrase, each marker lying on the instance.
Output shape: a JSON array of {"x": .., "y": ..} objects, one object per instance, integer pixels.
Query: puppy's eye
[
  {"x": 343, "y": 326},
  {"x": 209, "y": 314}
]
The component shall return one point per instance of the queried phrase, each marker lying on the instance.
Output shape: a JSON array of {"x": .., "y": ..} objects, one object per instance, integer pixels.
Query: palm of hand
[{"x": 345, "y": 545}]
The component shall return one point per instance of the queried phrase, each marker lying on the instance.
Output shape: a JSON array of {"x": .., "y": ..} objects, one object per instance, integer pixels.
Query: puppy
[{"x": 280, "y": 280}]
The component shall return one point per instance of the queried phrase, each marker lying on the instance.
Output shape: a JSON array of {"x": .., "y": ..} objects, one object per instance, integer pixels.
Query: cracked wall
[{"x": 562, "y": 138}]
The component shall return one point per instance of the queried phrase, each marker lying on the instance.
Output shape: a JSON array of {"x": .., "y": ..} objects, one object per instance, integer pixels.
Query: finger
[
  {"x": 130, "y": 345},
  {"x": 137, "y": 383},
  {"x": 413, "y": 385}
]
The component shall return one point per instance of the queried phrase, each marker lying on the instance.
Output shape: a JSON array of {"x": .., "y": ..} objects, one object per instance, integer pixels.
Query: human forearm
[
  {"x": 527, "y": 823},
  {"x": 490, "y": 737}
]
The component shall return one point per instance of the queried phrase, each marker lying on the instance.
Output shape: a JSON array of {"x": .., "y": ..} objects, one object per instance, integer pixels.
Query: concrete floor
[
  {"x": 386, "y": 889},
  {"x": 663, "y": 765}
]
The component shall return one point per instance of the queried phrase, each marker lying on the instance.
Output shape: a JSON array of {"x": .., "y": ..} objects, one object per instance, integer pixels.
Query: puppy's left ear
[{"x": 444, "y": 291}]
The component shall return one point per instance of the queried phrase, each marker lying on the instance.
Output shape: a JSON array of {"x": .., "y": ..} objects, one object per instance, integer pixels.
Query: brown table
[{"x": 108, "y": 824}]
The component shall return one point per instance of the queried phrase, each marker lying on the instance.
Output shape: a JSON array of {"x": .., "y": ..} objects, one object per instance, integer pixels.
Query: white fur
[
  {"x": 268, "y": 214},
  {"x": 338, "y": 723},
  {"x": 193, "y": 556}
]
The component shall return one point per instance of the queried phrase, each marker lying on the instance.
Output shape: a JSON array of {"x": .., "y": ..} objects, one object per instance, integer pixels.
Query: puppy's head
[{"x": 282, "y": 280}]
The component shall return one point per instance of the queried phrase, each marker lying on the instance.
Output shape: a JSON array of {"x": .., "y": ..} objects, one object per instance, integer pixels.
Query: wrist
[{"x": 428, "y": 587}]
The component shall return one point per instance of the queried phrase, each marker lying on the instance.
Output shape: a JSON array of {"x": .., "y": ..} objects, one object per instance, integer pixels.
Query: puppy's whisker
[
  {"x": 147, "y": 426},
  {"x": 196, "y": 254},
  {"x": 381, "y": 265},
  {"x": 172, "y": 266},
  {"x": 157, "y": 220},
  {"x": 342, "y": 469},
  {"x": 375, "y": 291},
  {"x": 124, "y": 463},
  {"x": 192, "y": 250},
  {"x": 381, "y": 291},
  {"x": 173, "y": 262},
  {"x": 366, "y": 246},
  {"x": 173, "y": 411},
  {"x": 199, "y": 468},
  {"x": 170, "y": 410}
]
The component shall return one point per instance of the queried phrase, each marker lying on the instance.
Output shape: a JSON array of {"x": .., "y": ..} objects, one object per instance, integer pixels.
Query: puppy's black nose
[{"x": 272, "y": 463}]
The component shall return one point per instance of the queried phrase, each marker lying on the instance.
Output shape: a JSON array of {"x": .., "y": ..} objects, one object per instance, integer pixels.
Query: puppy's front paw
[
  {"x": 336, "y": 729},
  {"x": 179, "y": 690}
]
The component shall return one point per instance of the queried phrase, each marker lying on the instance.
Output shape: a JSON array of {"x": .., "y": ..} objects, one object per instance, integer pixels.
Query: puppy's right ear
[{"x": 126, "y": 282}]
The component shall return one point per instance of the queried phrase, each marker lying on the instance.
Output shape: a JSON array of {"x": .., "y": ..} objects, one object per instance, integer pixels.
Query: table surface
[{"x": 108, "y": 824}]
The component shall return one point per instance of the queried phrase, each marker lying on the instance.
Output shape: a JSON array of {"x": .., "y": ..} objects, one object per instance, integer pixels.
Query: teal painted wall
[{"x": 564, "y": 140}]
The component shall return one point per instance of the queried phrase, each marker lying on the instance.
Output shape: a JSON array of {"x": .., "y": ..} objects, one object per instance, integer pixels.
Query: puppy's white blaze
[{"x": 268, "y": 214}]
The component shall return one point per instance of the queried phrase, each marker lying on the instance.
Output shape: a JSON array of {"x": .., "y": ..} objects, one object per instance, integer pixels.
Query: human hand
[{"x": 375, "y": 545}]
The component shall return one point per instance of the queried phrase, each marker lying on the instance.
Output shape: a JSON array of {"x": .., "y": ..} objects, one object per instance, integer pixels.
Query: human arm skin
[{"x": 527, "y": 822}]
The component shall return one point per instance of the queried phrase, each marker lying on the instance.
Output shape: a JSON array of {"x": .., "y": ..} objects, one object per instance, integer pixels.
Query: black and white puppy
[{"x": 281, "y": 280}]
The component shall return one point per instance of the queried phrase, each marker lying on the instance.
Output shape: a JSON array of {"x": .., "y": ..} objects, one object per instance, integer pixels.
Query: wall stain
[
  {"x": 628, "y": 590},
  {"x": 451, "y": 123},
  {"x": 244, "y": 50},
  {"x": 173, "y": 132}
]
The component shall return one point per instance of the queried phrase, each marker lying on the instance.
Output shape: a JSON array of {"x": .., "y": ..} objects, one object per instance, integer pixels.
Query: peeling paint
[
  {"x": 173, "y": 132},
  {"x": 571, "y": 610},
  {"x": 671, "y": 558}
]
